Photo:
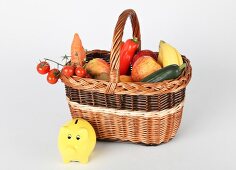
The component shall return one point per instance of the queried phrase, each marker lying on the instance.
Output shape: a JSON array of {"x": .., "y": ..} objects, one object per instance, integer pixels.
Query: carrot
[{"x": 78, "y": 54}]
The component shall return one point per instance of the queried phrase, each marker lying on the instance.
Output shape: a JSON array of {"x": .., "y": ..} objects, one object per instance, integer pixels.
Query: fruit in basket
[
  {"x": 168, "y": 55},
  {"x": 53, "y": 76},
  {"x": 143, "y": 67},
  {"x": 143, "y": 53},
  {"x": 127, "y": 52},
  {"x": 43, "y": 67},
  {"x": 68, "y": 70},
  {"x": 124, "y": 78},
  {"x": 103, "y": 76},
  {"x": 97, "y": 66},
  {"x": 80, "y": 71},
  {"x": 78, "y": 54},
  {"x": 167, "y": 73},
  {"x": 76, "y": 141}
]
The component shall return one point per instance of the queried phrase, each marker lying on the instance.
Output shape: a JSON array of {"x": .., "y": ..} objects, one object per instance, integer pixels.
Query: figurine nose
[
  {"x": 71, "y": 150},
  {"x": 76, "y": 147}
]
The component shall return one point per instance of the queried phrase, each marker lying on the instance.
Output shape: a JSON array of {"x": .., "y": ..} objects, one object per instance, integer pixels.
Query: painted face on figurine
[{"x": 76, "y": 141}]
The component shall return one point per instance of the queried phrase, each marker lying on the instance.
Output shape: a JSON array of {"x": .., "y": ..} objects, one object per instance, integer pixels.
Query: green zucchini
[{"x": 167, "y": 73}]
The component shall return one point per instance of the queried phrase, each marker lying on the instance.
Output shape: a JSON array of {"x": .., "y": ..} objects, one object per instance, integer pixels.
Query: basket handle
[{"x": 116, "y": 43}]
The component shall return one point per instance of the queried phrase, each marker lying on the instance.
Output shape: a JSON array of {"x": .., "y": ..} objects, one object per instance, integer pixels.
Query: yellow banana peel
[
  {"x": 168, "y": 55},
  {"x": 179, "y": 57}
]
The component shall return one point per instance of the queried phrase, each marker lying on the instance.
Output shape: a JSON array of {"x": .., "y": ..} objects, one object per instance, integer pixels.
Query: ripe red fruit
[
  {"x": 143, "y": 53},
  {"x": 80, "y": 71},
  {"x": 68, "y": 70},
  {"x": 53, "y": 76},
  {"x": 43, "y": 67}
]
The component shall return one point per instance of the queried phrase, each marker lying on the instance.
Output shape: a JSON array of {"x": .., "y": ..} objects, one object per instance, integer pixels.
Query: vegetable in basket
[
  {"x": 126, "y": 54},
  {"x": 167, "y": 73},
  {"x": 78, "y": 54},
  {"x": 68, "y": 70},
  {"x": 80, "y": 71}
]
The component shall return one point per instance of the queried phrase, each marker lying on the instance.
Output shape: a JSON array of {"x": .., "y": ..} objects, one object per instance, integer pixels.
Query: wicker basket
[{"x": 148, "y": 113}]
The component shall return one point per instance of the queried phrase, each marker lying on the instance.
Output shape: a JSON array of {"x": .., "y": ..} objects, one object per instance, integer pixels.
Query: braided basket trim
[{"x": 104, "y": 110}]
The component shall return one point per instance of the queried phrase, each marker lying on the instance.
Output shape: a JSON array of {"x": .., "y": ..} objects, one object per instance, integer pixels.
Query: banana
[
  {"x": 168, "y": 55},
  {"x": 160, "y": 55},
  {"x": 180, "y": 59}
]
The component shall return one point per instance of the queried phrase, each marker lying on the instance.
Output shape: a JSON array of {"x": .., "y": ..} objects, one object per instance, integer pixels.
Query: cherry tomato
[
  {"x": 53, "y": 76},
  {"x": 54, "y": 71},
  {"x": 80, "y": 71},
  {"x": 68, "y": 71},
  {"x": 43, "y": 67}
]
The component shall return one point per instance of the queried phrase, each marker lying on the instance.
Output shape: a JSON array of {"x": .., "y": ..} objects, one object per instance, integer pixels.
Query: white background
[{"x": 32, "y": 110}]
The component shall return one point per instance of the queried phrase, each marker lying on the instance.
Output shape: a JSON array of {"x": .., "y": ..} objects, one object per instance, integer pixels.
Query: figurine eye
[
  {"x": 69, "y": 136},
  {"x": 78, "y": 137}
]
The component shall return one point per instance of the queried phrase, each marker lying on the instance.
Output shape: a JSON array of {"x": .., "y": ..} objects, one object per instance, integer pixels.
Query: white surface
[{"x": 32, "y": 111}]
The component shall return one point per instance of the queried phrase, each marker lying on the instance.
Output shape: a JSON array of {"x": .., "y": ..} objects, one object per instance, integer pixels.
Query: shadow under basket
[{"x": 148, "y": 113}]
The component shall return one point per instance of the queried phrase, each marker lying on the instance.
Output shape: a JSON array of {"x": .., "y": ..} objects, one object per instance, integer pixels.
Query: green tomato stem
[{"x": 46, "y": 59}]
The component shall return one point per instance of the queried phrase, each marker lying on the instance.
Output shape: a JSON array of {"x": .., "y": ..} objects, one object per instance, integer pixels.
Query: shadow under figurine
[{"x": 76, "y": 141}]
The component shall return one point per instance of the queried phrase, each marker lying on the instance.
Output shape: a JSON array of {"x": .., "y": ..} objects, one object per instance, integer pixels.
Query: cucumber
[{"x": 167, "y": 73}]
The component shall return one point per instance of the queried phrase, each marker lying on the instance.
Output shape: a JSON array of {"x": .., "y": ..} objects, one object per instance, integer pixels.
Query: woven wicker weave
[{"x": 148, "y": 113}]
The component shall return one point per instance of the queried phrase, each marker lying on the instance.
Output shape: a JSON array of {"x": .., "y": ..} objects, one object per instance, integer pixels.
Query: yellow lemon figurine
[{"x": 76, "y": 141}]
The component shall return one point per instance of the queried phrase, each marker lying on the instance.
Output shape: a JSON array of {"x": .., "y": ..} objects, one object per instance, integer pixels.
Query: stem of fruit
[
  {"x": 46, "y": 59},
  {"x": 66, "y": 60},
  {"x": 65, "y": 57},
  {"x": 182, "y": 66}
]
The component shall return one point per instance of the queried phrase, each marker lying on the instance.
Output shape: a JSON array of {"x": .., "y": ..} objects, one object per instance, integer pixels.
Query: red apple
[
  {"x": 143, "y": 53},
  {"x": 143, "y": 67}
]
